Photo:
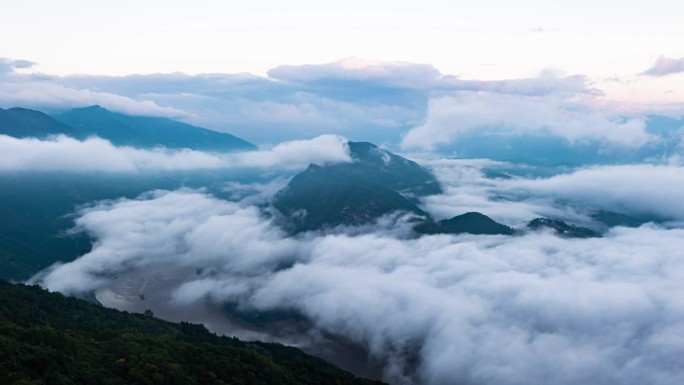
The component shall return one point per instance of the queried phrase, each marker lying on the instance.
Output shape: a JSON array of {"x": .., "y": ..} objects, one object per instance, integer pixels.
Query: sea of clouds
[{"x": 442, "y": 309}]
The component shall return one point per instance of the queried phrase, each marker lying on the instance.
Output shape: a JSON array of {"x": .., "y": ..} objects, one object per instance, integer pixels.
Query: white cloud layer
[
  {"x": 642, "y": 190},
  {"x": 636, "y": 189},
  {"x": 484, "y": 114},
  {"x": 533, "y": 309},
  {"x": 390, "y": 74},
  {"x": 62, "y": 153},
  {"x": 297, "y": 153}
]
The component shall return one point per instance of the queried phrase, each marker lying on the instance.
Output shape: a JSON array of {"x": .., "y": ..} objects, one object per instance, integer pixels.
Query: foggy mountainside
[{"x": 300, "y": 192}]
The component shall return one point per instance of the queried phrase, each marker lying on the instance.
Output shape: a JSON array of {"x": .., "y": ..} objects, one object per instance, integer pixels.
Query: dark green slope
[
  {"x": 47, "y": 338},
  {"x": 144, "y": 132},
  {"x": 388, "y": 170},
  {"x": 375, "y": 183},
  {"x": 471, "y": 223},
  {"x": 25, "y": 123},
  {"x": 325, "y": 197}
]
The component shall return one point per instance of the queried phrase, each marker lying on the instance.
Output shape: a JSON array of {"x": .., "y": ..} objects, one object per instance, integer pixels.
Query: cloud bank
[
  {"x": 9, "y": 65},
  {"x": 63, "y": 153},
  {"x": 534, "y": 309},
  {"x": 490, "y": 114},
  {"x": 640, "y": 190},
  {"x": 359, "y": 99},
  {"x": 49, "y": 93}
]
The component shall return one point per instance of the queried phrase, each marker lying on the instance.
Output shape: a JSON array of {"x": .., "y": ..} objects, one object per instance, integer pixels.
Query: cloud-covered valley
[{"x": 533, "y": 308}]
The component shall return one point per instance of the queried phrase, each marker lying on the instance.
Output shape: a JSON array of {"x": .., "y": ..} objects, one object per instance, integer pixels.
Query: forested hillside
[{"x": 47, "y": 338}]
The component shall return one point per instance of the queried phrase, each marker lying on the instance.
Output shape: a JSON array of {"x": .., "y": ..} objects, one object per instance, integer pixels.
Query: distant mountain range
[
  {"x": 119, "y": 129},
  {"x": 25, "y": 123}
]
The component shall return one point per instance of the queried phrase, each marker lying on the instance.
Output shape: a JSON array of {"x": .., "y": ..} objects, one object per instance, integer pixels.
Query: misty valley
[{"x": 340, "y": 260}]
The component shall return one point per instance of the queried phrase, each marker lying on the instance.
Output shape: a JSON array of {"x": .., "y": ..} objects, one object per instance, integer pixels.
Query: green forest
[{"x": 49, "y": 338}]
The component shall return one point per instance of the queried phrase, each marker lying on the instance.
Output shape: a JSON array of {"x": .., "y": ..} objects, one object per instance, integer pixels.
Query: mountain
[
  {"x": 388, "y": 170},
  {"x": 471, "y": 223},
  {"x": 25, "y": 123},
  {"x": 325, "y": 197},
  {"x": 375, "y": 183},
  {"x": 563, "y": 229},
  {"x": 47, "y": 338},
  {"x": 138, "y": 131}
]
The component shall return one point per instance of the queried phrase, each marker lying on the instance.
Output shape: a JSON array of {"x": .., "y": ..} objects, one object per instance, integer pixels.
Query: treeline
[{"x": 48, "y": 338}]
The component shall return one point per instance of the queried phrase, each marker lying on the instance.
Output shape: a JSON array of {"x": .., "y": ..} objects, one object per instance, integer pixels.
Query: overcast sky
[{"x": 609, "y": 41}]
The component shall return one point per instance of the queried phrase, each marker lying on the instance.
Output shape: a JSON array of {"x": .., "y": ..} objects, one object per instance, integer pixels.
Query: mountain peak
[
  {"x": 23, "y": 123},
  {"x": 354, "y": 193}
]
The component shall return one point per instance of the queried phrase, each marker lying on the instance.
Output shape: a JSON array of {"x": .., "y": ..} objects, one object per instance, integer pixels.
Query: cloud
[
  {"x": 665, "y": 66},
  {"x": 527, "y": 192},
  {"x": 533, "y": 309},
  {"x": 467, "y": 188},
  {"x": 62, "y": 153},
  {"x": 320, "y": 150},
  {"x": 637, "y": 189},
  {"x": 40, "y": 93},
  {"x": 266, "y": 110},
  {"x": 390, "y": 74},
  {"x": 9, "y": 65},
  {"x": 491, "y": 114},
  {"x": 547, "y": 83},
  {"x": 167, "y": 223},
  {"x": 67, "y": 154}
]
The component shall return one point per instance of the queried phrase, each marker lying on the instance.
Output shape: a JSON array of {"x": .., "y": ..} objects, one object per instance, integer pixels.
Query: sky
[{"x": 611, "y": 42}]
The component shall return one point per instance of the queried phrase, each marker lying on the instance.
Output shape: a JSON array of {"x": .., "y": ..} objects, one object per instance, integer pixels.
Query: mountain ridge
[
  {"x": 145, "y": 131},
  {"x": 26, "y": 123},
  {"x": 119, "y": 129}
]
